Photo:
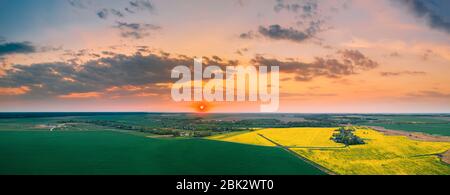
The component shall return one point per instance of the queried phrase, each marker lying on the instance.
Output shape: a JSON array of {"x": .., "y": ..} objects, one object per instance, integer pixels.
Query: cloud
[
  {"x": 429, "y": 94},
  {"x": 241, "y": 51},
  {"x": 117, "y": 13},
  {"x": 109, "y": 53},
  {"x": 402, "y": 73},
  {"x": 135, "y": 30},
  {"x": 80, "y": 4},
  {"x": 121, "y": 75},
  {"x": 308, "y": 8},
  {"x": 308, "y": 94},
  {"x": 141, "y": 5},
  {"x": 248, "y": 35},
  {"x": 65, "y": 80},
  {"x": 309, "y": 21},
  {"x": 136, "y": 26},
  {"x": 357, "y": 59},
  {"x": 277, "y": 32},
  {"x": 16, "y": 48},
  {"x": 10, "y": 91},
  {"x": 103, "y": 14},
  {"x": 430, "y": 11},
  {"x": 81, "y": 95},
  {"x": 350, "y": 63}
]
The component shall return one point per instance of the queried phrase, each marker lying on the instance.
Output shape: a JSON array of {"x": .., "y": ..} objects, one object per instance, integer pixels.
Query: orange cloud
[
  {"x": 81, "y": 95},
  {"x": 146, "y": 94},
  {"x": 125, "y": 88},
  {"x": 69, "y": 79},
  {"x": 14, "y": 90}
]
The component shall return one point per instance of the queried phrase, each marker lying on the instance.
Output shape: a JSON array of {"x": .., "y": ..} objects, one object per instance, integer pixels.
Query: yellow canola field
[
  {"x": 394, "y": 155},
  {"x": 302, "y": 137},
  {"x": 244, "y": 138},
  {"x": 380, "y": 155},
  {"x": 294, "y": 137}
]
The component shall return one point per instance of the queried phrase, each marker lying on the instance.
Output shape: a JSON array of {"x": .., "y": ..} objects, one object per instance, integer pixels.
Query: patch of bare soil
[
  {"x": 445, "y": 157},
  {"x": 413, "y": 135}
]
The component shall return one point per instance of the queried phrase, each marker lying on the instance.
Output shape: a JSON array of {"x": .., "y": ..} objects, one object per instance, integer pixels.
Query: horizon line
[{"x": 156, "y": 112}]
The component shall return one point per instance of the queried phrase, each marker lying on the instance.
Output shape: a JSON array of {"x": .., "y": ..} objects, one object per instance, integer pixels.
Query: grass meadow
[{"x": 107, "y": 152}]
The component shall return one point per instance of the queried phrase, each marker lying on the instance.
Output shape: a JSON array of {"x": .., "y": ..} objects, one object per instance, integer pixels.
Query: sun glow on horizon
[{"x": 202, "y": 107}]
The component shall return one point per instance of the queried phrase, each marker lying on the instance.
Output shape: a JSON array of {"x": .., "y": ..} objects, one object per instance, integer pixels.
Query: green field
[
  {"x": 107, "y": 152},
  {"x": 120, "y": 143},
  {"x": 426, "y": 124}
]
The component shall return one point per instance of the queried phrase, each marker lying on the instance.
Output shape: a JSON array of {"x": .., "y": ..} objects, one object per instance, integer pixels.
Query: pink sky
[{"x": 70, "y": 42}]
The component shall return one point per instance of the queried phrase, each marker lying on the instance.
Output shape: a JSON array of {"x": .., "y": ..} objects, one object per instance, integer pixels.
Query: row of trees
[
  {"x": 346, "y": 136},
  {"x": 156, "y": 131}
]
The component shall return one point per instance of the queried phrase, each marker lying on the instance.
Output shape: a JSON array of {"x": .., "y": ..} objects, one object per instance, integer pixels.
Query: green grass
[
  {"x": 430, "y": 128},
  {"x": 412, "y": 118},
  {"x": 106, "y": 152}
]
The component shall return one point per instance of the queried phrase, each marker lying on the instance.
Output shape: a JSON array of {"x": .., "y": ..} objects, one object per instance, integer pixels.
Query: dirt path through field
[{"x": 320, "y": 167}]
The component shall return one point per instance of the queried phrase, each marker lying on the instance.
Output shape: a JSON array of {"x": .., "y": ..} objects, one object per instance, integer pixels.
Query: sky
[{"x": 335, "y": 56}]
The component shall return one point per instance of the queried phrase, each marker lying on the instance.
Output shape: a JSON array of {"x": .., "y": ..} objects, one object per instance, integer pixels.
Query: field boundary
[
  {"x": 414, "y": 135},
  {"x": 318, "y": 166}
]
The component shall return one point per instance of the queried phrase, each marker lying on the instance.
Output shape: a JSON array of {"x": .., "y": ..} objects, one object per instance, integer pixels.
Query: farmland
[
  {"x": 191, "y": 124},
  {"x": 184, "y": 143},
  {"x": 427, "y": 124},
  {"x": 107, "y": 152},
  {"x": 380, "y": 155}
]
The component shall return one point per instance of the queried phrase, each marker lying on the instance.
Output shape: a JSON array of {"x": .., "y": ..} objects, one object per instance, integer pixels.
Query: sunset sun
[{"x": 202, "y": 107}]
